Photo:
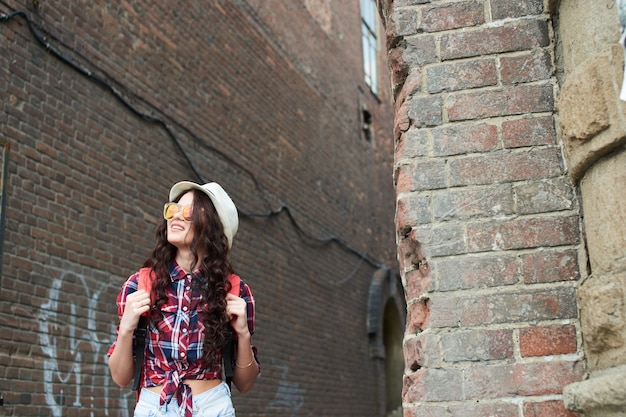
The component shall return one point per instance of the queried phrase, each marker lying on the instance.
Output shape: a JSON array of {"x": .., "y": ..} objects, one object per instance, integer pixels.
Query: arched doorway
[
  {"x": 385, "y": 322},
  {"x": 394, "y": 359}
]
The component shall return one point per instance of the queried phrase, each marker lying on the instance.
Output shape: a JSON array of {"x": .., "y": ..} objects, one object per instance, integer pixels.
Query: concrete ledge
[
  {"x": 591, "y": 114},
  {"x": 603, "y": 394}
]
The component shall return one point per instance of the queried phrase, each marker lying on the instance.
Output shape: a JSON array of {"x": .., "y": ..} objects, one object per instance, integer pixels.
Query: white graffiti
[
  {"x": 289, "y": 394},
  {"x": 64, "y": 342}
]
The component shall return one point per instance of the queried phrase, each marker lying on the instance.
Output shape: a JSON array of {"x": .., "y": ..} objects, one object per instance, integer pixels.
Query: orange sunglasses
[{"x": 170, "y": 209}]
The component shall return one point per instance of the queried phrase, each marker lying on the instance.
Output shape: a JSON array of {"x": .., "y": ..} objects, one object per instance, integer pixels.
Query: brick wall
[
  {"x": 483, "y": 195},
  {"x": 264, "y": 98}
]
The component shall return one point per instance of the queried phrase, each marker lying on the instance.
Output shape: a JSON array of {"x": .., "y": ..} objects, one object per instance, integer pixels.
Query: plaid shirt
[{"x": 174, "y": 344}]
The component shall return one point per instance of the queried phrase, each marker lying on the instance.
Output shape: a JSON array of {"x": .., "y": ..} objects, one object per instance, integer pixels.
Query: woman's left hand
[{"x": 236, "y": 310}]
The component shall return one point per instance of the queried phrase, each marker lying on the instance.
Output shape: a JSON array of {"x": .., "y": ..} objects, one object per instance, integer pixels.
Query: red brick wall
[
  {"x": 483, "y": 194},
  {"x": 263, "y": 100}
]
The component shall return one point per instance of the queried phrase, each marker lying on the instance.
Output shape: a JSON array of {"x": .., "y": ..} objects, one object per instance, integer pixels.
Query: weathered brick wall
[
  {"x": 264, "y": 97},
  {"x": 483, "y": 194}
]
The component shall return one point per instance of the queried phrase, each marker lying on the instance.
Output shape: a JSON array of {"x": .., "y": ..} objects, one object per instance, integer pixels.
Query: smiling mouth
[{"x": 177, "y": 228}]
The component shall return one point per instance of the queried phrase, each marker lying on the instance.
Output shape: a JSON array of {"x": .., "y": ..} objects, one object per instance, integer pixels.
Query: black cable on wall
[{"x": 41, "y": 36}]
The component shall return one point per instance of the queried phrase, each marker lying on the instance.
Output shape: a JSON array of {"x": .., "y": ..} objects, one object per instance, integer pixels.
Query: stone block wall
[{"x": 593, "y": 125}]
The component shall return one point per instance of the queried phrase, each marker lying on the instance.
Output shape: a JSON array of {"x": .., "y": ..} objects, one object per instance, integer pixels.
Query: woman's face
[{"x": 179, "y": 230}]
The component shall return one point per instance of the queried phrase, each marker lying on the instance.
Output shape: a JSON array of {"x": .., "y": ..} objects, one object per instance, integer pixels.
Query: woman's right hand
[
  {"x": 121, "y": 361},
  {"x": 137, "y": 303}
]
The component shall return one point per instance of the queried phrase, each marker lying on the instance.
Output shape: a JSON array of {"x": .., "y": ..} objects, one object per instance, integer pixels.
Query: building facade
[
  {"x": 106, "y": 105},
  {"x": 510, "y": 179}
]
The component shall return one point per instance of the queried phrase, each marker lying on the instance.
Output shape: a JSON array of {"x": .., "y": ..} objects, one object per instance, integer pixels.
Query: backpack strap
[
  {"x": 145, "y": 283},
  {"x": 227, "y": 351},
  {"x": 235, "y": 285},
  {"x": 138, "y": 348}
]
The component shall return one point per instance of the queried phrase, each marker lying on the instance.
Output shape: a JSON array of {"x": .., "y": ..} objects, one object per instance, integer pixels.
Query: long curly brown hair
[{"x": 210, "y": 242}]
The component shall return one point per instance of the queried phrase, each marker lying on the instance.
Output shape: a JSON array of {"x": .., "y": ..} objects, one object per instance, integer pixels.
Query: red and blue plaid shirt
[{"x": 174, "y": 345}]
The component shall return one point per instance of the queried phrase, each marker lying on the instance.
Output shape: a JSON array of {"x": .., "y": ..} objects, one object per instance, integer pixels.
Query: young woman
[{"x": 192, "y": 313}]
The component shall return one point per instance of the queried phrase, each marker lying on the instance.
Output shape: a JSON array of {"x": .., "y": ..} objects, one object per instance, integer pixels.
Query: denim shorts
[{"x": 215, "y": 402}]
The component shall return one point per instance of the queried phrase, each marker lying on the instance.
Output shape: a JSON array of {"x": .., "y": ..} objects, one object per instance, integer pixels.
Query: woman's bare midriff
[{"x": 198, "y": 386}]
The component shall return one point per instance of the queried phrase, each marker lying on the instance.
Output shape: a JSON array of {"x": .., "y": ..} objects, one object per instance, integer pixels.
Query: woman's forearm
[
  {"x": 121, "y": 361},
  {"x": 246, "y": 369}
]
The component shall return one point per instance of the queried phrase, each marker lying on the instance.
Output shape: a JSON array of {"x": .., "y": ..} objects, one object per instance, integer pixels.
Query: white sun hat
[{"x": 225, "y": 207}]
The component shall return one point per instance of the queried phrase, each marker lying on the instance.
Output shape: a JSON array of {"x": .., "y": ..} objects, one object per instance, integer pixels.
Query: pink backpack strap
[
  {"x": 228, "y": 350},
  {"x": 235, "y": 283},
  {"x": 146, "y": 278},
  {"x": 144, "y": 283}
]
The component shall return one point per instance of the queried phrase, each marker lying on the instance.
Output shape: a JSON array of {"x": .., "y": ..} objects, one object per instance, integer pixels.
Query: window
[{"x": 370, "y": 43}]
